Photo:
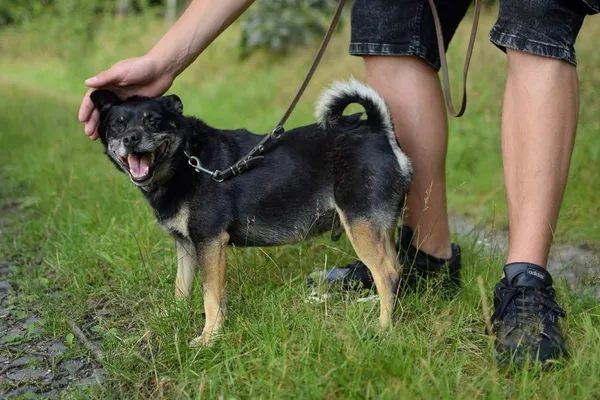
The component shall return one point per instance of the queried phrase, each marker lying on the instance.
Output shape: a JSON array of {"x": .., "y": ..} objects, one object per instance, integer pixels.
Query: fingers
[
  {"x": 87, "y": 113},
  {"x": 89, "y": 116},
  {"x": 91, "y": 126},
  {"x": 110, "y": 76},
  {"x": 86, "y": 108}
]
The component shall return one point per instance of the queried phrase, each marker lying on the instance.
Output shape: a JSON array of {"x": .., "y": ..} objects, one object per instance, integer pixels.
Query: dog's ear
[
  {"x": 104, "y": 99},
  {"x": 173, "y": 104}
]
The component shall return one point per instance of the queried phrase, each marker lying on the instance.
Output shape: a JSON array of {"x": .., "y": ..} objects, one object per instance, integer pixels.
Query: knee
[
  {"x": 539, "y": 32},
  {"x": 520, "y": 57},
  {"x": 521, "y": 61}
]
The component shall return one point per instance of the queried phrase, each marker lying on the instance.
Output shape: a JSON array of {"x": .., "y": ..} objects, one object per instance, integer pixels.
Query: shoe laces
[{"x": 525, "y": 300}]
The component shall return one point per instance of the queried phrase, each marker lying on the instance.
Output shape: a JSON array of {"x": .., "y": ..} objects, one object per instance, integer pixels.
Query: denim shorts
[{"x": 405, "y": 27}]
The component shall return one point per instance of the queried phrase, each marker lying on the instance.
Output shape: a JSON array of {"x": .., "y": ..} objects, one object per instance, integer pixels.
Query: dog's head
[{"x": 141, "y": 134}]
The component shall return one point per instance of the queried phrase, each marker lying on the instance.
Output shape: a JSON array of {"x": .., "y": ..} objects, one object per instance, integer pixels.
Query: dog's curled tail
[{"x": 332, "y": 103}]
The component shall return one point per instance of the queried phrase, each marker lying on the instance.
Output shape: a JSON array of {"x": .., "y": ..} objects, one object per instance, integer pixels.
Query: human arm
[{"x": 153, "y": 73}]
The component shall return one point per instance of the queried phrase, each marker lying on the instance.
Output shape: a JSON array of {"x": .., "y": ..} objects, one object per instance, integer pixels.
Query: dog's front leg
[
  {"x": 211, "y": 255},
  {"x": 186, "y": 269}
]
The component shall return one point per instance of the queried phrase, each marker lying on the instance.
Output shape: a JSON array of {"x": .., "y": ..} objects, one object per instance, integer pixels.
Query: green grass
[{"x": 106, "y": 265}]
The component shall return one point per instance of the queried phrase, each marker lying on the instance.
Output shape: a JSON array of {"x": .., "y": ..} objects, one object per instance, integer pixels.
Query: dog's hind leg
[
  {"x": 186, "y": 269},
  {"x": 374, "y": 245},
  {"x": 212, "y": 259}
]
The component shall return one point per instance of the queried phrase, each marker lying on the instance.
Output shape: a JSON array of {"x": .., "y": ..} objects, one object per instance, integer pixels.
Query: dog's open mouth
[{"x": 141, "y": 165}]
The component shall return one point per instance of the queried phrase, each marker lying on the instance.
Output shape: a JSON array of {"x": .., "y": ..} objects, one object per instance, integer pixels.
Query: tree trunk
[
  {"x": 171, "y": 11},
  {"x": 123, "y": 7}
]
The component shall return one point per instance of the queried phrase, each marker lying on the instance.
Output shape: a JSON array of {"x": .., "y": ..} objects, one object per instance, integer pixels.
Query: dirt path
[
  {"x": 579, "y": 266},
  {"x": 30, "y": 360}
]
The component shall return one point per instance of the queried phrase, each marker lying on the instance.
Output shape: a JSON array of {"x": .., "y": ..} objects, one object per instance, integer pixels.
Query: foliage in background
[
  {"x": 67, "y": 27},
  {"x": 280, "y": 25},
  {"x": 19, "y": 11},
  {"x": 272, "y": 25},
  {"x": 27, "y": 12}
]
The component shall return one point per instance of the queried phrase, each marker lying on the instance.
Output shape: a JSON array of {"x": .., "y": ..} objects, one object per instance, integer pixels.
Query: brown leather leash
[
  {"x": 255, "y": 154},
  {"x": 444, "y": 61}
]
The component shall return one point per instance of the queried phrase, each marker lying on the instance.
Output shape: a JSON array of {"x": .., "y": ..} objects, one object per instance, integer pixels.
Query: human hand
[{"x": 143, "y": 76}]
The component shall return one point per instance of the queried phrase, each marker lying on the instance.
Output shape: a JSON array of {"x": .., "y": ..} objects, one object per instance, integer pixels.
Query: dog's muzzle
[{"x": 139, "y": 163}]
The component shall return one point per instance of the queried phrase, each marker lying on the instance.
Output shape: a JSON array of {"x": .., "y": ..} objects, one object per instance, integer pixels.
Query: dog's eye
[
  {"x": 119, "y": 122},
  {"x": 153, "y": 122}
]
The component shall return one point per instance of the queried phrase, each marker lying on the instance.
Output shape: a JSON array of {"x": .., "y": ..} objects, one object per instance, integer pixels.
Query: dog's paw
[
  {"x": 204, "y": 340},
  {"x": 385, "y": 321}
]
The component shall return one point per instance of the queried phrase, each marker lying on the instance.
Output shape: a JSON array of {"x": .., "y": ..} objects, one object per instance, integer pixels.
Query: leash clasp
[{"x": 195, "y": 163}]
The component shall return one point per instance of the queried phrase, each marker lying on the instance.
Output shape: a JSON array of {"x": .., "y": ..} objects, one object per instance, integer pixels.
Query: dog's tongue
[{"x": 139, "y": 165}]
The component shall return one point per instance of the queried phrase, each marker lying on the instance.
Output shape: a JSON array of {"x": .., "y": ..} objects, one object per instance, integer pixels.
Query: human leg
[
  {"x": 538, "y": 130},
  {"x": 539, "y": 119}
]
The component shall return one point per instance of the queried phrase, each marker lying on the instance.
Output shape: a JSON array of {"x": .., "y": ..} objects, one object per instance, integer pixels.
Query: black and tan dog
[{"x": 344, "y": 167}]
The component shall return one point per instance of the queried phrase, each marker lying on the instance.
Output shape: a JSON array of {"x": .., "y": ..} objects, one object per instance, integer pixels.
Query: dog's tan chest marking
[{"x": 179, "y": 222}]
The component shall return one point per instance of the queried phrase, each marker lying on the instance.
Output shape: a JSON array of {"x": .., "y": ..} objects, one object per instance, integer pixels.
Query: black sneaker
[
  {"x": 417, "y": 266},
  {"x": 525, "y": 319}
]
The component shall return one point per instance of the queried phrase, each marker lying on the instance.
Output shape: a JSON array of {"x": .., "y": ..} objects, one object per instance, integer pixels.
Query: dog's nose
[{"x": 132, "y": 138}]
